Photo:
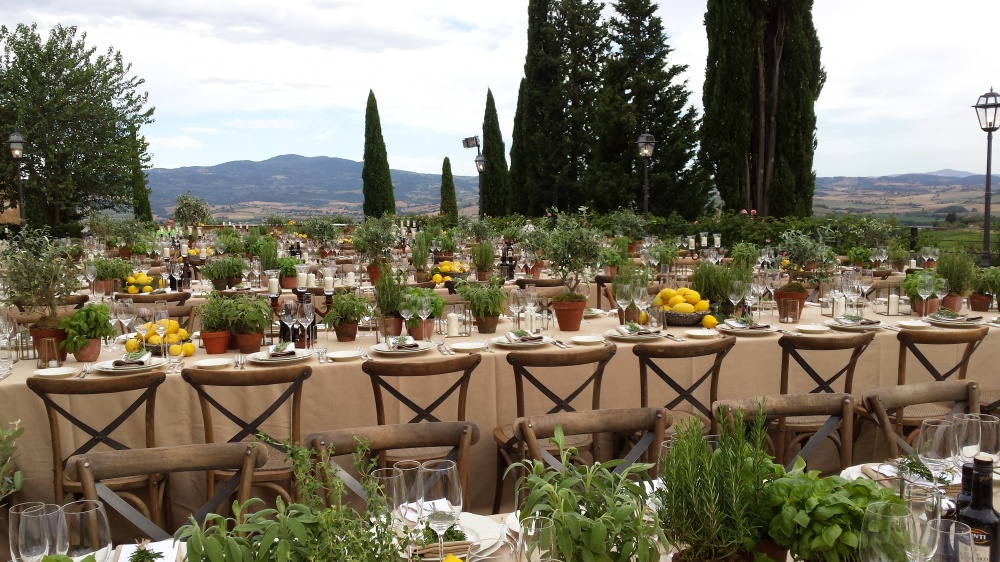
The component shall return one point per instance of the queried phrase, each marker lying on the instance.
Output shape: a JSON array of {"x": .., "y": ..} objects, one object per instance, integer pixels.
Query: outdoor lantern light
[
  {"x": 480, "y": 163},
  {"x": 16, "y": 142},
  {"x": 646, "y": 143},
  {"x": 986, "y": 111},
  {"x": 471, "y": 142}
]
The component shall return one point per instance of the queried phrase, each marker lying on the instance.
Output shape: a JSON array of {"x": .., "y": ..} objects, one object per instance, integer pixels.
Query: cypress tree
[
  {"x": 375, "y": 177},
  {"x": 495, "y": 179},
  {"x": 449, "y": 205},
  {"x": 761, "y": 84},
  {"x": 141, "y": 209}
]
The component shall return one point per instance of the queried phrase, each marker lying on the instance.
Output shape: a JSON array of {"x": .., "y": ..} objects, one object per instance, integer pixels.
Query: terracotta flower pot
[
  {"x": 569, "y": 314},
  {"x": 374, "y": 273},
  {"x": 980, "y": 303},
  {"x": 248, "y": 343},
  {"x": 215, "y": 342},
  {"x": 488, "y": 324},
  {"x": 346, "y": 332},
  {"x": 423, "y": 330},
  {"x": 923, "y": 308},
  {"x": 90, "y": 352},
  {"x": 219, "y": 284},
  {"x": 952, "y": 302},
  {"x": 286, "y": 282},
  {"x": 484, "y": 275}
]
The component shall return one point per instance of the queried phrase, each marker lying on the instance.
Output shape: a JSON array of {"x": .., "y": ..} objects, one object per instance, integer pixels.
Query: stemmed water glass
[
  {"x": 161, "y": 323},
  {"x": 177, "y": 272},
  {"x": 640, "y": 296},
  {"x": 866, "y": 280},
  {"x": 289, "y": 317},
  {"x": 408, "y": 497},
  {"x": 423, "y": 312},
  {"x": 87, "y": 530},
  {"x": 935, "y": 446},
  {"x": 245, "y": 270},
  {"x": 441, "y": 500},
  {"x": 737, "y": 291},
  {"x": 33, "y": 537},
  {"x": 515, "y": 302},
  {"x": 406, "y": 311},
  {"x": 114, "y": 315},
  {"x": 307, "y": 315},
  {"x": 255, "y": 269}
]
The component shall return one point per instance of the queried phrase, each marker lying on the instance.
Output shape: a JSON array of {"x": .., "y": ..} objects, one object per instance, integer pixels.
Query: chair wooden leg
[{"x": 498, "y": 490}]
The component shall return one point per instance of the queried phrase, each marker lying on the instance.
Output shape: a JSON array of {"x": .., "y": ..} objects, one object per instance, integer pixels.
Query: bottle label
[{"x": 981, "y": 543}]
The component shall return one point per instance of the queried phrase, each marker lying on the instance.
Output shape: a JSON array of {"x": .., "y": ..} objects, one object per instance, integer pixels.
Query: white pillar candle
[
  {"x": 166, "y": 252},
  {"x": 311, "y": 280},
  {"x": 300, "y": 280},
  {"x": 305, "y": 256},
  {"x": 690, "y": 242},
  {"x": 913, "y": 264},
  {"x": 893, "y": 305},
  {"x": 184, "y": 249},
  {"x": 452, "y": 324},
  {"x": 704, "y": 240},
  {"x": 272, "y": 287},
  {"x": 328, "y": 283},
  {"x": 350, "y": 278},
  {"x": 203, "y": 253},
  {"x": 718, "y": 240},
  {"x": 839, "y": 306}
]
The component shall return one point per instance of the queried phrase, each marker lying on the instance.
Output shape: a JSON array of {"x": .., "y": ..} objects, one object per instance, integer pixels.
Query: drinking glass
[
  {"x": 33, "y": 535},
  {"x": 408, "y": 493},
  {"x": 245, "y": 270},
  {"x": 945, "y": 540},
  {"x": 492, "y": 550},
  {"x": 737, "y": 289},
  {"x": 967, "y": 432},
  {"x": 7, "y": 353},
  {"x": 935, "y": 446},
  {"x": 114, "y": 315},
  {"x": 100, "y": 291},
  {"x": 424, "y": 312},
  {"x": 623, "y": 295},
  {"x": 87, "y": 530},
  {"x": 537, "y": 539},
  {"x": 177, "y": 272},
  {"x": 307, "y": 315},
  {"x": 865, "y": 282},
  {"x": 14, "y": 524},
  {"x": 161, "y": 323},
  {"x": 640, "y": 296},
  {"x": 884, "y": 533},
  {"x": 441, "y": 501},
  {"x": 289, "y": 316},
  {"x": 386, "y": 480},
  {"x": 54, "y": 523},
  {"x": 255, "y": 270},
  {"x": 406, "y": 311},
  {"x": 515, "y": 301}
]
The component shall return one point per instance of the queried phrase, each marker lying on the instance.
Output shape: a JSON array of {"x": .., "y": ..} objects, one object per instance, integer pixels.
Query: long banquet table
[{"x": 340, "y": 395}]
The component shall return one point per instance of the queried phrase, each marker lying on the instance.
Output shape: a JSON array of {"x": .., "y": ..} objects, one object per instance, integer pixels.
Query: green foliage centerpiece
[
  {"x": 39, "y": 271},
  {"x": 572, "y": 246}
]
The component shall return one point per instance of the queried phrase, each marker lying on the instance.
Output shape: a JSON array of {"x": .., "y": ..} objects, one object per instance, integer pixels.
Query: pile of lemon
[
  {"x": 684, "y": 301},
  {"x": 440, "y": 273},
  {"x": 177, "y": 338},
  {"x": 139, "y": 282}
]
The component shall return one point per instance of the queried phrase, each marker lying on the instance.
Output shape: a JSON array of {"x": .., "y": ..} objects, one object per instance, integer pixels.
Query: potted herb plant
[
  {"x": 627, "y": 223},
  {"x": 214, "y": 316},
  {"x": 792, "y": 290},
  {"x": 661, "y": 255},
  {"x": 413, "y": 297},
  {"x": 107, "y": 271},
  {"x": 224, "y": 271},
  {"x": 860, "y": 256},
  {"x": 571, "y": 247},
  {"x": 249, "y": 317},
  {"x": 10, "y": 479},
  {"x": 485, "y": 301},
  {"x": 959, "y": 271},
  {"x": 84, "y": 330},
  {"x": 910, "y": 287},
  {"x": 597, "y": 513},
  {"x": 482, "y": 258},
  {"x": 420, "y": 252},
  {"x": 286, "y": 267},
  {"x": 346, "y": 311},
  {"x": 39, "y": 272},
  {"x": 388, "y": 297},
  {"x": 374, "y": 239},
  {"x": 985, "y": 288},
  {"x": 622, "y": 287},
  {"x": 532, "y": 241},
  {"x": 744, "y": 255}
]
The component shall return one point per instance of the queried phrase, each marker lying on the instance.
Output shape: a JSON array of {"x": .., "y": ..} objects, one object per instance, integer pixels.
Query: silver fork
[
  {"x": 673, "y": 337},
  {"x": 486, "y": 346},
  {"x": 87, "y": 369}
]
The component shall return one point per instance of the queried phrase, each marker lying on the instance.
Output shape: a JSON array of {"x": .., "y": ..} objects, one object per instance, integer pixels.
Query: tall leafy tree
[
  {"x": 375, "y": 177},
  {"x": 449, "y": 204},
  {"x": 141, "y": 209},
  {"x": 495, "y": 179},
  {"x": 641, "y": 92},
  {"x": 77, "y": 110},
  {"x": 762, "y": 80}
]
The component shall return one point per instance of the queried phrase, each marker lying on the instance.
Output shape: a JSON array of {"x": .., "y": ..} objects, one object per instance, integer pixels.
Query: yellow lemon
[
  {"x": 154, "y": 339},
  {"x": 188, "y": 349},
  {"x": 130, "y": 279},
  {"x": 658, "y": 301},
  {"x": 709, "y": 321},
  {"x": 683, "y": 308},
  {"x": 643, "y": 317},
  {"x": 173, "y": 327},
  {"x": 683, "y": 291},
  {"x": 446, "y": 278},
  {"x": 701, "y": 305},
  {"x": 150, "y": 334},
  {"x": 147, "y": 289},
  {"x": 173, "y": 338},
  {"x": 437, "y": 278},
  {"x": 183, "y": 334},
  {"x": 667, "y": 294},
  {"x": 666, "y": 308},
  {"x": 175, "y": 349},
  {"x": 132, "y": 344},
  {"x": 451, "y": 558},
  {"x": 445, "y": 267},
  {"x": 132, "y": 289},
  {"x": 678, "y": 299},
  {"x": 692, "y": 297}
]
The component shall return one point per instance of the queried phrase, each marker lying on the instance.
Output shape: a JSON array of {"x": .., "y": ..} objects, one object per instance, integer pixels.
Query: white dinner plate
[
  {"x": 725, "y": 329},
  {"x": 502, "y": 341},
  {"x": 347, "y": 355},
  {"x": 703, "y": 334},
  {"x": 592, "y": 312},
  {"x": 55, "y": 372},
  {"x": 513, "y": 523},
  {"x": 421, "y": 347},
  {"x": 853, "y": 327},
  {"x": 587, "y": 340},
  {"x": 812, "y": 328},
  {"x": 262, "y": 357},
  {"x": 942, "y": 323},
  {"x": 620, "y": 336},
  {"x": 216, "y": 363},
  {"x": 913, "y": 324},
  {"x": 467, "y": 346},
  {"x": 108, "y": 367},
  {"x": 479, "y": 527}
]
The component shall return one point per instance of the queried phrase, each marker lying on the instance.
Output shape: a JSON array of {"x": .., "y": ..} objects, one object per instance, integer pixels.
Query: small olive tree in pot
[{"x": 571, "y": 247}]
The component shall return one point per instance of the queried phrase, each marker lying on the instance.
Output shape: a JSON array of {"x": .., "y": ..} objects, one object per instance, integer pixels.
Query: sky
[{"x": 249, "y": 80}]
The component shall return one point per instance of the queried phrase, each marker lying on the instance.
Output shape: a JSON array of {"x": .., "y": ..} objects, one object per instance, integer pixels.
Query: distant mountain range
[{"x": 298, "y": 186}]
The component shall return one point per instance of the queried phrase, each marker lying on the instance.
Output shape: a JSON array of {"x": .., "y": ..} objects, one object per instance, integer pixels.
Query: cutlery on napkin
[
  {"x": 623, "y": 330},
  {"x": 514, "y": 338},
  {"x": 454, "y": 547},
  {"x": 736, "y": 325},
  {"x": 134, "y": 358},
  {"x": 283, "y": 349},
  {"x": 843, "y": 321}
]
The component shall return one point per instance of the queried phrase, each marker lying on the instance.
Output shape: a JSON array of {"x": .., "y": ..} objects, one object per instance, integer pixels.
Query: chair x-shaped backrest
[
  {"x": 888, "y": 404},
  {"x": 648, "y": 352},
  {"x": 293, "y": 376},
  {"x": 381, "y": 371},
  {"x": 650, "y": 422},
  {"x": 911, "y": 339},
  {"x": 45, "y": 387},
  {"x": 792, "y": 344},
  {"x": 520, "y": 361}
]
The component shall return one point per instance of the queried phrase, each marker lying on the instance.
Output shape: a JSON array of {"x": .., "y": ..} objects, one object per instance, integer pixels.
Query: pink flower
[
  {"x": 753, "y": 212},
  {"x": 695, "y": 222},
  {"x": 743, "y": 212}
]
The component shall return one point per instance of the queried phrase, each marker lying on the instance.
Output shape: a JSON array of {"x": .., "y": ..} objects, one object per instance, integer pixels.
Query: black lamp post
[
  {"x": 16, "y": 142},
  {"x": 646, "y": 143},
  {"x": 986, "y": 111},
  {"x": 480, "y": 166}
]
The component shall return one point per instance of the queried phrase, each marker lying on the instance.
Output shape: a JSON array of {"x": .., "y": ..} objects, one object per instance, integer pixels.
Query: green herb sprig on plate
[
  {"x": 453, "y": 534},
  {"x": 632, "y": 327}
]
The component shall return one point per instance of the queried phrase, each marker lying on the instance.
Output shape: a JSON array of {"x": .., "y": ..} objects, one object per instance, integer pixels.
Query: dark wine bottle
[
  {"x": 965, "y": 496},
  {"x": 979, "y": 515}
]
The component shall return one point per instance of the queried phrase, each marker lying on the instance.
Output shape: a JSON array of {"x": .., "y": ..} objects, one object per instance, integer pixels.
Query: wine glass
[
  {"x": 935, "y": 446},
  {"x": 492, "y": 550},
  {"x": 114, "y": 315},
  {"x": 640, "y": 296},
  {"x": 737, "y": 290},
  {"x": 55, "y": 526},
  {"x": 87, "y": 530},
  {"x": 161, "y": 323},
  {"x": 423, "y": 312},
  {"x": 245, "y": 270},
  {"x": 515, "y": 302},
  {"x": 406, "y": 311},
  {"x": 925, "y": 288},
  {"x": 14, "y": 524},
  {"x": 441, "y": 501},
  {"x": 255, "y": 269},
  {"x": 100, "y": 291},
  {"x": 407, "y": 496},
  {"x": 884, "y": 532},
  {"x": 865, "y": 283},
  {"x": 33, "y": 540},
  {"x": 386, "y": 480},
  {"x": 307, "y": 315},
  {"x": 968, "y": 435},
  {"x": 126, "y": 314},
  {"x": 537, "y": 539},
  {"x": 289, "y": 316}
]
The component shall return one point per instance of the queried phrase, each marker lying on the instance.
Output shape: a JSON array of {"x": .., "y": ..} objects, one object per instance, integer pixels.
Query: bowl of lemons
[{"x": 148, "y": 338}]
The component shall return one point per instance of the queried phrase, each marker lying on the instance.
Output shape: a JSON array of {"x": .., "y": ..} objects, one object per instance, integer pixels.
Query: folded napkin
[
  {"x": 286, "y": 351},
  {"x": 128, "y": 360},
  {"x": 623, "y": 330},
  {"x": 864, "y": 322},
  {"x": 737, "y": 325},
  {"x": 406, "y": 345},
  {"x": 514, "y": 338},
  {"x": 458, "y": 548}
]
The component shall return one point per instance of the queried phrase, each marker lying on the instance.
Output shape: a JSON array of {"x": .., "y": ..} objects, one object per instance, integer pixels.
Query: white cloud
[
  {"x": 181, "y": 141},
  {"x": 202, "y": 130},
  {"x": 263, "y": 123}
]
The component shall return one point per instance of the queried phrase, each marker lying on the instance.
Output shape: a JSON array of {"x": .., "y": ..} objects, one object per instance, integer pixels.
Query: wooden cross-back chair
[
  {"x": 889, "y": 406},
  {"x": 91, "y": 471}
]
